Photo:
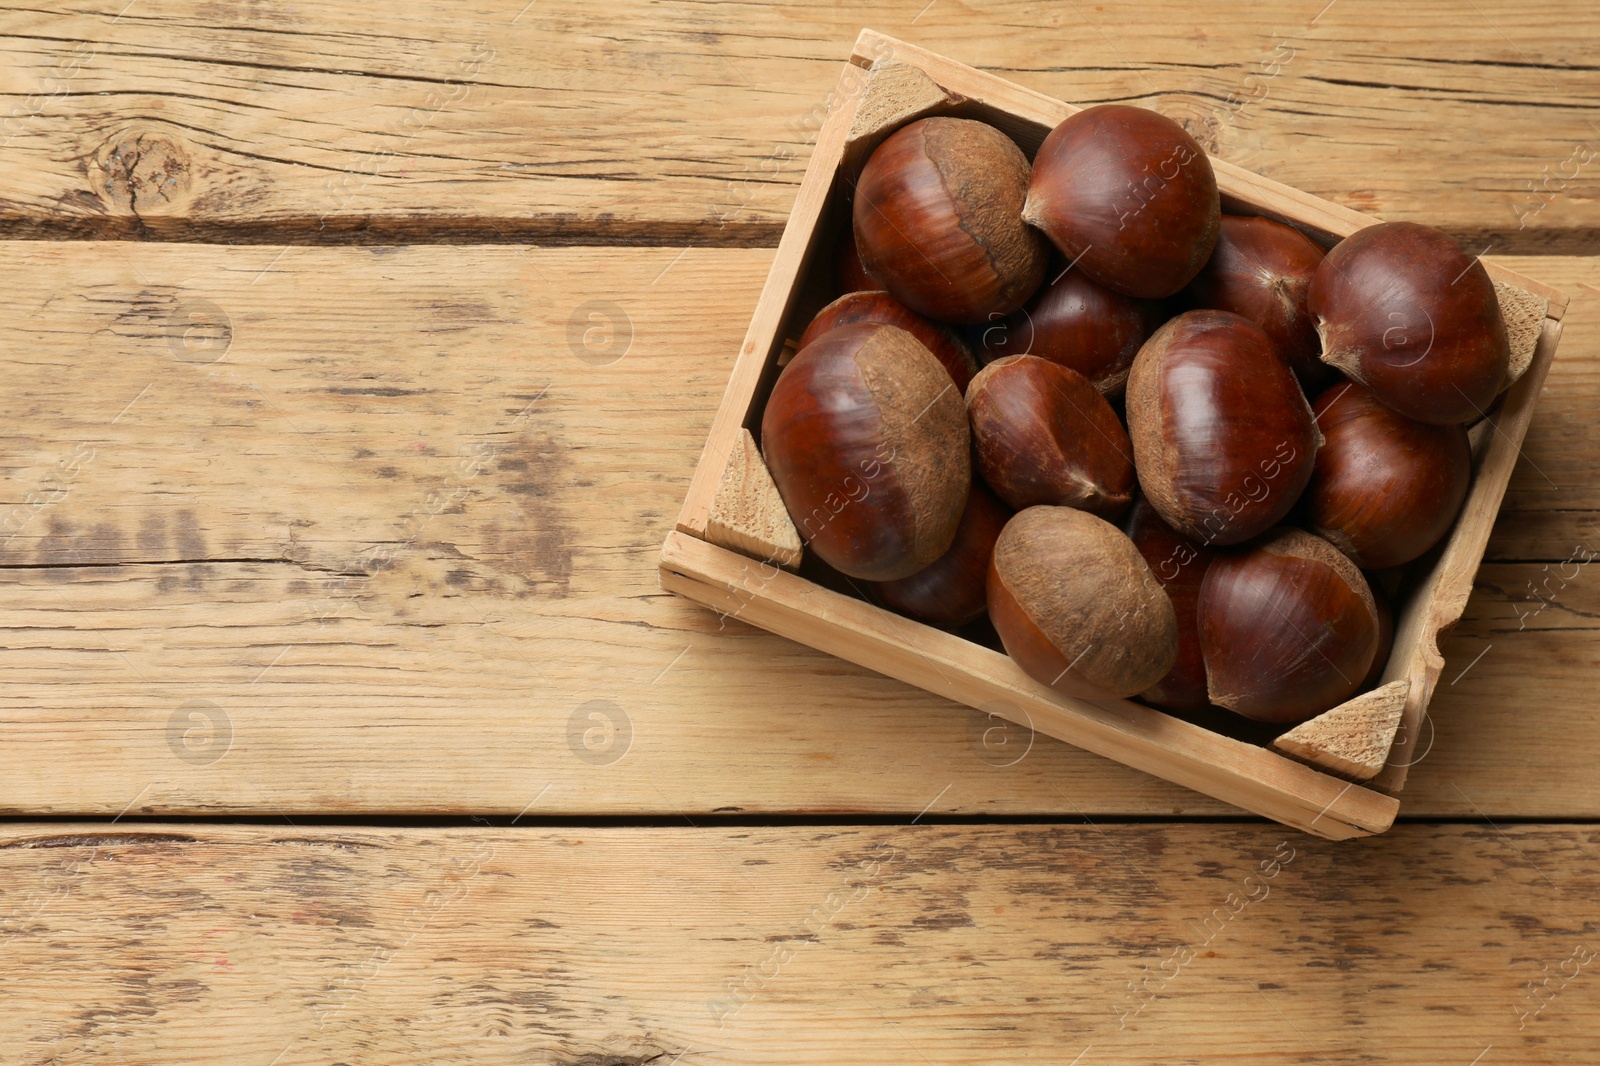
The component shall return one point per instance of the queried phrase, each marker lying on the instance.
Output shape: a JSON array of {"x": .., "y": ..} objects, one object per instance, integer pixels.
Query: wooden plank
[
  {"x": 336, "y": 570},
  {"x": 396, "y": 550},
  {"x": 692, "y": 122},
  {"x": 1519, "y": 674},
  {"x": 945, "y": 944}
]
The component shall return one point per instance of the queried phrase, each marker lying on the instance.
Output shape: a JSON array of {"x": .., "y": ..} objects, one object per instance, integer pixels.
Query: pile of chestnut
[{"x": 1183, "y": 453}]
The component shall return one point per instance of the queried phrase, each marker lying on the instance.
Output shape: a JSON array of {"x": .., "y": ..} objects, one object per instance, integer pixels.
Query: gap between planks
[{"x": 365, "y": 231}]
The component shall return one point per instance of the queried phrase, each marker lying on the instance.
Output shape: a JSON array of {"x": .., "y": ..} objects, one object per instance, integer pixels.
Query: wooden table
[{"x": 357, "y": 358}]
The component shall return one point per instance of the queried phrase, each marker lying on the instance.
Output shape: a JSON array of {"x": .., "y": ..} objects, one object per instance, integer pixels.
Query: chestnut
[
  {"x": 1180, "y": 565},
  {"x": 1404, "y": 311},
  {"x": 869, "y": 306},
  {"x": 1288, "y": 628},
  {"x": 1045, "y": 436},
  {"x": 1223, "y": 438},
  {"x": 1384, "y": 488},
  {"x": 866, "y": 438},
  {"x": 1262, "y": 270},
  {"x": 938, "y": 220},
  {"x": 1129, "y": 198},
  {"x": 848, "y": 273},
  {"x": 1080, "y": 324},
  {"x": 951, "y": 591},
  {"x": 1077, "y": 608}
]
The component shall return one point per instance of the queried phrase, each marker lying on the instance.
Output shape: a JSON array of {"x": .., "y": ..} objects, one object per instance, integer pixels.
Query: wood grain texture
[
  {"x": 940, "y": 944},
  {"x": 691, "y": 122},
  {"x": 394, "y": 550},
  {"x": 747, "y": 514},
  {"x": 1355, "y": 738}
]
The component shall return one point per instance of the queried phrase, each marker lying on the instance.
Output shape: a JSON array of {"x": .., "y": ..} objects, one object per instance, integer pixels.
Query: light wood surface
[
  {"x": 373, "y": 531},
  {"x": 899, "y": 943},
  {"x": 405, "y": 576},
  {"x": 692, "y": 122}
]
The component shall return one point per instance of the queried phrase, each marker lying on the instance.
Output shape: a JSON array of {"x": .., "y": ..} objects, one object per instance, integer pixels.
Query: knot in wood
[{"x": 142, "y": 171}]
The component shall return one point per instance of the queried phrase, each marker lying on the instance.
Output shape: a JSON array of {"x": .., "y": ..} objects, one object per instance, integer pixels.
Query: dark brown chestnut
[
  {"x": 1077, "y": 608},
  {"x": 1080, "y": 324},
  {"x": 1262, "y": 270},
  {"x": 1404, "y": 311},
  {"x": 1180, "y": 565},
  {"x": 1385, "y": 488},
  {"x": 848, "y": 273},
  {"x": 938, "y": 220},
  {"x": 952, "y": 590},
  {"x": 1223, "y": 438},
  {"x": 1288, "y": 628},
  {"x": 1045, "y": 436},
  {"x": 868, "y": 306},
  {"x": 1128, "y": 197},
  {"x": 866, "y": 438}
]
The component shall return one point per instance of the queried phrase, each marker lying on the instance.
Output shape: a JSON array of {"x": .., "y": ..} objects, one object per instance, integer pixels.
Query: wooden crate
[{"x": 734, "y": 547}]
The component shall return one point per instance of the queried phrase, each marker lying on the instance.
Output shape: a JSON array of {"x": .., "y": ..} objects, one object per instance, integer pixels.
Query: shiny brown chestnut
[
  {"x": 1404, "y": 311},
  {"x": 1128, "y": 197},
  {"x": 1080, "y": 324},
  {"x": 1384, "y": 488},
  {"x": 1045, "y": 436},
  {"x": 869, "y": 306},
  {"x": 1180, "y": 565},
  {"x": 868, "y": 445},
  {"x": 1288, "y": 628},
  {"x": 938, "y": 220},
  {"x": 1223, "y": 438},
  {"x": 1262, "y": 270},
  {"x": 1077, "y": 608},
  {"x": 952, "y": 590}
]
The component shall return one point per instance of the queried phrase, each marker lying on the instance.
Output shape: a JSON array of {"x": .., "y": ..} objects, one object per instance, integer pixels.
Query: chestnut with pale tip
[
  {"x": 1385, "y": 488},
  {"x": 1077, "y": 608},
  {"x": 1128, "y": 197},
  {"x": 1044, "y": 435},
  {"x": 1404, "y": 311},
  {"x": 1262, "y": 270},
  {"x": 1180, "y": 565},
  {"x": 1080, "y": 324},
  {"x": 1223, "y": 439},
  {"x": 869, "y": 306},
  {"x": 1288, "y": 628},
  {"x": 866, "y": 439},
  {"x": 938, "y": 220},
  {"x": 952, "y": 590}
]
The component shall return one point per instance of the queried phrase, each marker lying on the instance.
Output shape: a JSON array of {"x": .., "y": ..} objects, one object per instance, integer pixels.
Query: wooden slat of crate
[
  {"x": 425, "y": 415},
  {"x": 692, "y": 121},
  {"x": 162, "y": 943}
]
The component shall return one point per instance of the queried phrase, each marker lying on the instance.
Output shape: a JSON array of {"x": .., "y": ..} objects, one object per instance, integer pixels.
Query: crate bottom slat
[{"x": 1256, "y": 779}]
